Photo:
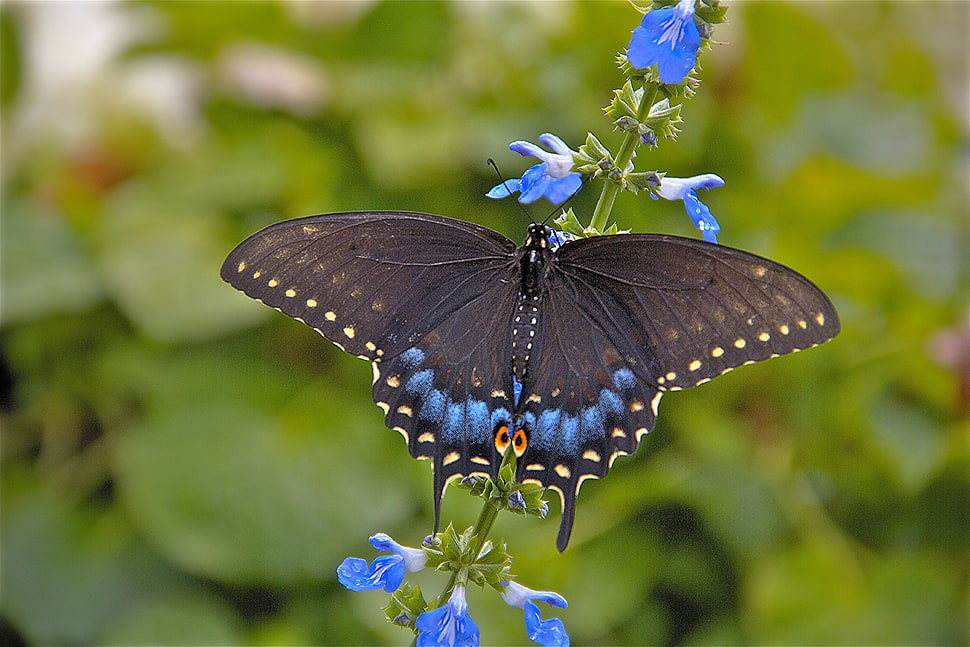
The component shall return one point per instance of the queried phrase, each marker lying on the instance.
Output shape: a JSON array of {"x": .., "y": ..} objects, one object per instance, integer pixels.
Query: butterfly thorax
[
  {"x": 532, "y": 259},
  {"x": 532, "y": 265}
]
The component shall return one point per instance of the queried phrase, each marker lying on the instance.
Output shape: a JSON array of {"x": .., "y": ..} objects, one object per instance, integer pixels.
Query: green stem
[
  {"x": 601, "y": 213},
  {"x": 486, "y": 519},
  {"x": 484, "y": 525}
]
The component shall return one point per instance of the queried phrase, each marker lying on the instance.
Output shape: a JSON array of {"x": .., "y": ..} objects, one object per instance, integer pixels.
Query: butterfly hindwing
[
  {"x": 449, "y": 393},
  {"x": 581, "y": 405}
]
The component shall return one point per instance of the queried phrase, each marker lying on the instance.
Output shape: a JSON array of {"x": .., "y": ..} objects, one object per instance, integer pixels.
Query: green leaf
[{"x": 228, "y": 491}]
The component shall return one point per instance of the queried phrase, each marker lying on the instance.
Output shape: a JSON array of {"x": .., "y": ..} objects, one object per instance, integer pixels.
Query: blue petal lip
[
  {"x": 385, "y": 572},
  {"x": 503, "y": 190},
  {"x": 548, "y": 633},
  {"x": 702, "y": 217},
  {"x": 560, "y": 190}
]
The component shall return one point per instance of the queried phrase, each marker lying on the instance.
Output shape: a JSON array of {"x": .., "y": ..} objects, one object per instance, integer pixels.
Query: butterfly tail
[{"x": 566, "y": 525}]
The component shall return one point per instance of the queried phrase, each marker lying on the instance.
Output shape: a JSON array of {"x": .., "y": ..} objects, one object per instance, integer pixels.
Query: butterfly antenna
[{"x": 502, "y": 180}]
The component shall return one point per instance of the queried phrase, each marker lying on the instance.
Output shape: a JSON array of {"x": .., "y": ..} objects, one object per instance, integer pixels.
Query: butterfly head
[{"x": 538, "y": 237}]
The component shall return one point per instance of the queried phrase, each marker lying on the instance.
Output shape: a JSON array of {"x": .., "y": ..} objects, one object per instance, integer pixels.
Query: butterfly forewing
[
  {"x": 699, "y": 309},
  {"x": 374, "y": 282}
]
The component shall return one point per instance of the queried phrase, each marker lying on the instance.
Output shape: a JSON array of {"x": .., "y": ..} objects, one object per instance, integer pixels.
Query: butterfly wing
[
  {"x": 449, "y": 392},
  {"x": 581, "y": 404},
  {"x": 428, "y": 300},
  {"x": 626, "y": 318},
  {"x": 373, "y": 283},
  {"x": 699, "y": 309}
]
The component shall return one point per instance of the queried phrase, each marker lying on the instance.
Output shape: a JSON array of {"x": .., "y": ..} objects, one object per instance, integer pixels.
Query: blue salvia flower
[
  {"x": 677, "y": 188},
  {"x": 549, "y": 633},
  {"x": 668, "y": 38},
  {"x": 386, "y": 572},
  {"x": 552, "y": 179},
  {"x": 448, "y": 626}
]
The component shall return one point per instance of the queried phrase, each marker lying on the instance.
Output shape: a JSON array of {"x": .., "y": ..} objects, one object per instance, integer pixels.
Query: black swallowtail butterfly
[{"x": 564, "y": 352}]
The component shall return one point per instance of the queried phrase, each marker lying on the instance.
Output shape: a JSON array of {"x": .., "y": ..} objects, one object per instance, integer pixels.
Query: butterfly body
[{"x": 562, "y": 351}]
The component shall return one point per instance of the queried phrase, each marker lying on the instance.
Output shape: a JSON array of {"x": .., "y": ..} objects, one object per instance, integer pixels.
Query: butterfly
[{"x": 562, "y": 351}]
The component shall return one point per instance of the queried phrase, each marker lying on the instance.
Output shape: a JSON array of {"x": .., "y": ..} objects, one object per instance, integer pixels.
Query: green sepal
[
  {"x": 711, "y": 11},
  {"x": 625, "y": 102},
  {"x": 453, "y": 553},
  {"x": 662, "y": 118},
  {"x": 626, "y": 105},
  {"x": 476, "y": 485},
  {"x": 447, "y": 549},
  {"x": 499, "y": 491},
  {"x": 492, "y": 567},
  {"x": 405, "y": 605},
  {"x": 648, "y": 181},
  {"x": 592, "y": 157},
  {"x": 535, "y": 504},
  {"x": 506, "y": 471},
  {"x": 569, "y": 223}
]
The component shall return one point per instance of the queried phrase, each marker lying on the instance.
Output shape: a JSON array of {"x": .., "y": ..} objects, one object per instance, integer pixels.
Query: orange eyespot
[
  {"x": 502, "y": 439},
  {"x": 519, "y": 442}
]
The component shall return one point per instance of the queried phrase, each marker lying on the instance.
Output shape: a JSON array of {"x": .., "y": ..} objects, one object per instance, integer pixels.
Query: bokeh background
[{"x": 183, "y": 466}]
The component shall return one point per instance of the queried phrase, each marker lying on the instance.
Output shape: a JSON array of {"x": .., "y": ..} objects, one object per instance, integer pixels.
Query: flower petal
[
  {"x": 669, "y": 38},
  {"x": 558, "y": 191},
  {"x": 503, "y": 190},
  {"x": 517, "y": 595},
  {"x": 414, "y": 558},
  {"x": 549, "y": 633},
  {"x": 553, "y": 179},
  {"x": 702, "y": 217},
  {"x": 385, "y": 572},
  {"x": 533, "y": 184},
  {"x": 556, "y": 144},
  {"x": 675, "y": 188},
  {"x": 644, "y": 49},
  {"x": 527, "y": 149},
  {"x": 449, "y": 625}
]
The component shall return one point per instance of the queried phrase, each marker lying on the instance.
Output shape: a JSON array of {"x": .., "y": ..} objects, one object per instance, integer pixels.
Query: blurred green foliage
[{"x": 183, "y": 466}]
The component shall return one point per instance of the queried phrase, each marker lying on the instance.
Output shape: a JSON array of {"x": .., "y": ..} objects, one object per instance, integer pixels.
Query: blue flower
[
  {"x": 551, "y": 179},
  {"x": 669, "y": 38},
  {"x": 386, "y": 572},
  {"x": 448, "y": 626},
  {"x": 677, "y": 188},
  {"x": 549, "y": 633}
]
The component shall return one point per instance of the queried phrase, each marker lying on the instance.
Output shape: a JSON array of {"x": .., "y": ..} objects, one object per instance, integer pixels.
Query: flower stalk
[{"x": 627, "y": 150}]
